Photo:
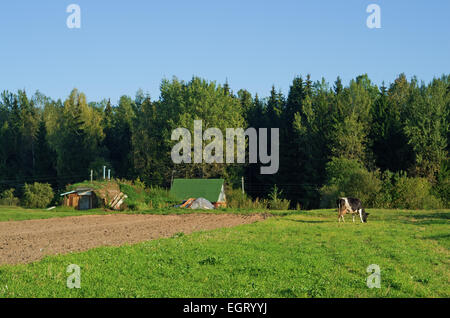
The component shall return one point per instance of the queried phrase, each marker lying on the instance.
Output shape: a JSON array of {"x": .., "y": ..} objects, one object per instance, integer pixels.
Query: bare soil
[{"x": 31, "y": 240}]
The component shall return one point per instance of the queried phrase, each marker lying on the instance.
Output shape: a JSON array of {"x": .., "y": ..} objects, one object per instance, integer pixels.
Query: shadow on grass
[
  {"x": 430, "y": 218},
  {"x": 432, "y": 215},
  {"x": 307, "y": 221},
  {"x": 437, "y": 237},
  {"x": 425, "y": 222}
]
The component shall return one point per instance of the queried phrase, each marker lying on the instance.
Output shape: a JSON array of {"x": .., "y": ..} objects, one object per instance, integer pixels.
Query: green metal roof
[{"x": 210, "y": 189}]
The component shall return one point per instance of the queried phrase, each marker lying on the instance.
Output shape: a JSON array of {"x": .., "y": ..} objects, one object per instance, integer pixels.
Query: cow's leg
[
  {"x": 360, "y": 215},
  {"x": 341, "y": 212},
  {"x": 353, "y": 216}
]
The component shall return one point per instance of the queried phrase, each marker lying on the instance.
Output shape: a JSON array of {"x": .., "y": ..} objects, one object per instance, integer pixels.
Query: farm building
[
  {"x": 211, "y": 189},
  {"x": 105, "y": 195},
  {"x": 80, "y": 198}
]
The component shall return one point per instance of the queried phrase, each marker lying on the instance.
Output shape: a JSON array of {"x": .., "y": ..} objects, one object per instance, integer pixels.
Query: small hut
[
  {"x": 80, "y": 198},
  {"x": 211, "y": 189}
]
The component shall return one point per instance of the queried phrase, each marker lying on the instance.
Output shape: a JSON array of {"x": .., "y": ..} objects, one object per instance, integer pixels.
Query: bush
[
  {"x": 328, "y": 196},
  {"x": 441, "y": 189},
  {"x": 238, "y": 200},
  {"x": 276, "y": 202},
  {"x": 135, "y": 206},
  {"x": 414, "y": 193},
  {"x": 158, "y": 197},
  {"x": 141, "y": 198},
  {"x": 387, "y": 194},
  {"x": 387, "y": 190},
  {"x": 37, "y": 195},
  {"x": 348, "y": 178},
  {"x": 7, "y": 198}
]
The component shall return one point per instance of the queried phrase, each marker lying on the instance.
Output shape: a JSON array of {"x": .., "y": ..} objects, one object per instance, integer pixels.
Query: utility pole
[{"x": 171, "y": 180}]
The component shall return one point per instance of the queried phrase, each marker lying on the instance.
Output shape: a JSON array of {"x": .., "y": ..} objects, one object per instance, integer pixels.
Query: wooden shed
[{"x": 80, "y": 198}]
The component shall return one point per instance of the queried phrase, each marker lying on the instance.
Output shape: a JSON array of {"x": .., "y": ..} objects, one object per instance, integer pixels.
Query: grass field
[
  {"x": 14, "y": 213},
  {"x": 305, "y": 254}
]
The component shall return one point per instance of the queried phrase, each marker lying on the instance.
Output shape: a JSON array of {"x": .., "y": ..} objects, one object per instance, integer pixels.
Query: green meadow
[
  {"x": 295, "y": 254},
  {"x": 15, "y": 213}
]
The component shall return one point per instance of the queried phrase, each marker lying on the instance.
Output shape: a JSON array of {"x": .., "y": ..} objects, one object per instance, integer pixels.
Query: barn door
[{"x": 84, "y": 203}]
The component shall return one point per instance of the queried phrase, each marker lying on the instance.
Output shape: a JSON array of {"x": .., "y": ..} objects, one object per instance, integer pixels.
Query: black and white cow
[{"x": 352, "y": 206}]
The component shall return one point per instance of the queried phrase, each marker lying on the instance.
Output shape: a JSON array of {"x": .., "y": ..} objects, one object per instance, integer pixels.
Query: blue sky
[{"x": 126, "y": 45}]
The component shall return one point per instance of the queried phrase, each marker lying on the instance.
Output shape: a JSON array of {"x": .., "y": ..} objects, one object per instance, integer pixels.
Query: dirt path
[{"x": 28, "y": 241}]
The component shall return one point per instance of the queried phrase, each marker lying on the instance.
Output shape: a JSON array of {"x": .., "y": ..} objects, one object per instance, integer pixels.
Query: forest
[{"x": 387, "y": 145}]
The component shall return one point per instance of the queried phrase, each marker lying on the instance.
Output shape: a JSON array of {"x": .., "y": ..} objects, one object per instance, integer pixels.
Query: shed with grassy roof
[{"x": 80, "y": 198}]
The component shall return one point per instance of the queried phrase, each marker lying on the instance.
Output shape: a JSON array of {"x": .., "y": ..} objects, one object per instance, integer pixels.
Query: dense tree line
[{"x": 379, "y": 133}]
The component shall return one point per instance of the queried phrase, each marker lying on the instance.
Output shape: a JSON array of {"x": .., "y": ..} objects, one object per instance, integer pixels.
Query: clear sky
[{"x": 126, "y": 45}]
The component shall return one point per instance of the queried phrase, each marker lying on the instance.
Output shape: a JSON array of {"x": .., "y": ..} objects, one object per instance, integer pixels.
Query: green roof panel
[{"x": 210, "y": 189}]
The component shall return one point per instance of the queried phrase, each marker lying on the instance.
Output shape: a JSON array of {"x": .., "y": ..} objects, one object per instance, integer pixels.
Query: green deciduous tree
[
  {"x": 426, "y": 127},
  {"x": 76, "y": 134}
]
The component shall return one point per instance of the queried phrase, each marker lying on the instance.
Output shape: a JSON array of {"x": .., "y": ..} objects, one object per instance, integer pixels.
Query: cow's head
[{"x": 364, "y": 215}]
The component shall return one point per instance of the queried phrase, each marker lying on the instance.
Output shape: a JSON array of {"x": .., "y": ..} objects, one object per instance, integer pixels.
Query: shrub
[
  {"x": 414, "y": 193},
  {"x": 158, "y": 197},
  {"x": 275, "y": 200},
  {"x": 442, "y": 191},
  {"x": 387, "y": 192},
  {"x": 138, "y": 183},
  {"x": 349, "y": 178},
  {"x": 329, "y": 194},
  {"x": 136, "y": 206},
  {"x": 142, "y": 198},
  {"x": 442, "y": 187},
  {"x": 366, "y": 186},
  {"x": 7, "y": 198},
  {"x": 37, "y": 195},
  {"x": 238, "y": 200}
]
